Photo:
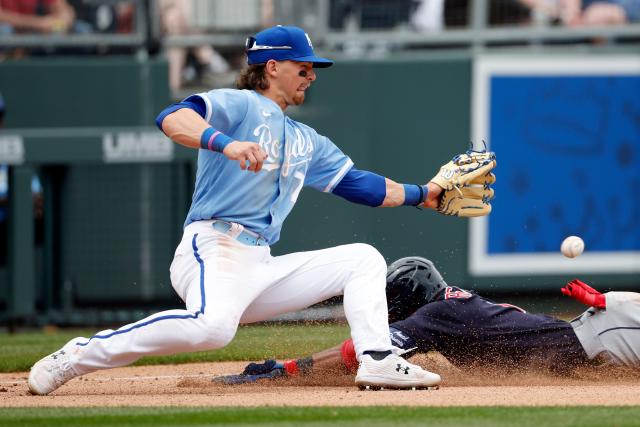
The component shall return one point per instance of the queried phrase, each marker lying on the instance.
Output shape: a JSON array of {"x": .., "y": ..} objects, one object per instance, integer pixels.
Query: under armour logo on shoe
[
  {"x": 401, "y": 368},
  {"x": 60, "y": 353}
]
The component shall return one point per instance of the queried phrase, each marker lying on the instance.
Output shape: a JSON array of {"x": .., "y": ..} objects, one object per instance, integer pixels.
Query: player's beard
[{"x": 298, "y": 98}]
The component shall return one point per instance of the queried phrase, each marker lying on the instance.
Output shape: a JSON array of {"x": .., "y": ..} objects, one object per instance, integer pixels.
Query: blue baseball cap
[{"x": 283, "y": 44}]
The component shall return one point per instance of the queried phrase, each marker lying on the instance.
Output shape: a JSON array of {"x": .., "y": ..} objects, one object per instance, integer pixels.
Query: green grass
[
  {"x": 365, "y": 417},
  {"x": 21, "y": 350}
]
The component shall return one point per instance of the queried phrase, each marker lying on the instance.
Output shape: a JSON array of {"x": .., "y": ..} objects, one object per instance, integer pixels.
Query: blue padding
[
  {"x": 194, "y": 102},
  {"x": 363, "y": 187}
]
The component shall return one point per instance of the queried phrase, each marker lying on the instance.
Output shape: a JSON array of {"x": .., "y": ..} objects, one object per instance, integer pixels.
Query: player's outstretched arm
[
  {"x": 461, "y": 188},
  {"x": 368, "y": 188},
  {"x": 188, "y": 128},
  {"x": 396, "y": 195},
  {"x": 341, "y": 357}
]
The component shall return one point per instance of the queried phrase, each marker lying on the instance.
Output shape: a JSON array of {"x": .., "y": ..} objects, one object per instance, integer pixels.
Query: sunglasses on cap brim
[{"x": 250, "y": 45}]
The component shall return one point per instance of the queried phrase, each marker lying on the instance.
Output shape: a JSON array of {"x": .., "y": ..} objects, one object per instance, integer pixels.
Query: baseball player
[
  {"x": 427, "y": 314},
  {"x": 253, "y": 161}
]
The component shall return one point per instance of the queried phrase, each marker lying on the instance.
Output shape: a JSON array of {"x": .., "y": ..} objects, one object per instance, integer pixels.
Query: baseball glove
[
  {"x": 466, "y": 181},
  {"x": 470, "y": 200}
]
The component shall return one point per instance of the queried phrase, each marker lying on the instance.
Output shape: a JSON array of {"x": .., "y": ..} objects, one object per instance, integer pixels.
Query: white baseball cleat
[
  {"x": 394, "y": 372},
  {"x": 50, "y": 372}
]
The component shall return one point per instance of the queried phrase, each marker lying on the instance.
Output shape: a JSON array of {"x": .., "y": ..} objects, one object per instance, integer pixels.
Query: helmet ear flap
[{"x": 411, "y": 283}]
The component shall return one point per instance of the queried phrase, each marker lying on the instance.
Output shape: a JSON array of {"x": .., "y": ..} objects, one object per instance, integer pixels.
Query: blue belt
[{"x": 245, "y": 236}]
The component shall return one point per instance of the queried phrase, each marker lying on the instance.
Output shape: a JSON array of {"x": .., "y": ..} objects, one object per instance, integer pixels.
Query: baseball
[{"x": 572, "y": 246}]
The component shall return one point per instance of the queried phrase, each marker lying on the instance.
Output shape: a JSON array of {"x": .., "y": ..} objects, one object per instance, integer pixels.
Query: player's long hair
[{"x": 253, "y": 77}]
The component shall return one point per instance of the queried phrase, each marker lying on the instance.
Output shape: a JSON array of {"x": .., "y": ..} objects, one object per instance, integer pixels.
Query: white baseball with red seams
[{"x": 572, "y": 246}]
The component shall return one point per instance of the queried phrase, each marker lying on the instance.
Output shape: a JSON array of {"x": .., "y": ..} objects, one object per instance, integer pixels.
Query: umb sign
[
  {"x": 11, "y": 149},
  {"x": 124, "y": 147}
]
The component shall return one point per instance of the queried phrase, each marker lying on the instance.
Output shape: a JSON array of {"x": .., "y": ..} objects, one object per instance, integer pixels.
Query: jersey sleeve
[
  {"x": 619, "y": 298},
  {"x": 225, "y": 109},
  {"x": 414, "y": 332},
  {"x": 328, "y": 165}
]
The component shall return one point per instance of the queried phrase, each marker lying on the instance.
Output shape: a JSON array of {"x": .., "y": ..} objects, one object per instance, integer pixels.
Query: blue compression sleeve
[
  {"x": 363, "y": 187},
  {"x": 194, "y": 103}
]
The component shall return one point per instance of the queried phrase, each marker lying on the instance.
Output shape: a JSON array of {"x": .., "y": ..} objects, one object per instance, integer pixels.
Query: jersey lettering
[
  {"x": 269, "y": 145},
  {"x": 450, "y": 293},
  {"x": 400, "y": 339},
  {"x": 300, "y": 177},
  {"x": 297, "y": 152}
]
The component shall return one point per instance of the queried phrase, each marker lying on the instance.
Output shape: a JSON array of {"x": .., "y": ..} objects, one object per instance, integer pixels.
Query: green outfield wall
[{"x": 115, "y": 191}]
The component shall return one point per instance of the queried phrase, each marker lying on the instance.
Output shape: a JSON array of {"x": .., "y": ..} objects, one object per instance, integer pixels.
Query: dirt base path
[{"x": 191, "y": 385}]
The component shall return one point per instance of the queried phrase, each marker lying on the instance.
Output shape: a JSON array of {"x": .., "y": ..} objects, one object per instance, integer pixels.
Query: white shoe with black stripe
[{"x": 393, "y": 372}]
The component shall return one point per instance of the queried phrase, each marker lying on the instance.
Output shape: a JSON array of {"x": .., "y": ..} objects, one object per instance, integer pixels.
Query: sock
[{"x": 378, "y": 355}]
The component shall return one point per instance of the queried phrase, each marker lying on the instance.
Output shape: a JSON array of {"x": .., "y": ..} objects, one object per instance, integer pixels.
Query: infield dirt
[{"x": 191, "y": 385}]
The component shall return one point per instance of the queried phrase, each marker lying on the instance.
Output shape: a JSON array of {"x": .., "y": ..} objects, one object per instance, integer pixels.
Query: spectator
[
  {"x": 176, "y": 21},
  {"x": 428, "y": 16},
  {"x": 433, "y": 15},
  {"x": 371, "y": 14},
  {"x": 92, "y": 17},
  {"x": 589, "y": 12},
  {"x": 603, "y": 12},
  {"x": 100, "y": 17},
  {"x": 35, "y": 16},
  {"x": 508, "y": 12}
]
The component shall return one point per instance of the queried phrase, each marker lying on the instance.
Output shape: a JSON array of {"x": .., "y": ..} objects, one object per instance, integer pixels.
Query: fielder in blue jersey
[{"x": 253, "y": 161}]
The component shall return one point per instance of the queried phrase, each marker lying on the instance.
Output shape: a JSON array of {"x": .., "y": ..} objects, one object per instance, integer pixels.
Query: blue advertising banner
[{"x": 566, "y": 133}]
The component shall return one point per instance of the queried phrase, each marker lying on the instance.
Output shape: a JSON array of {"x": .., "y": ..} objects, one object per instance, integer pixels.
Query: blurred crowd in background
[
  {"x": 211, "y": 65},
  {"x": 180, "y": 16}
]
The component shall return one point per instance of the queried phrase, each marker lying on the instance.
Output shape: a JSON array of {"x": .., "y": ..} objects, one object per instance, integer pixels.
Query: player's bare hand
[
  {"x": 248, "y": 154},
  {"x": 433, "y": 196}
]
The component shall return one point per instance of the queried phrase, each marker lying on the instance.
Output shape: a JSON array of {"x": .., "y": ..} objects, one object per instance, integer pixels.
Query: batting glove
[{"x": 584, "y": 293}]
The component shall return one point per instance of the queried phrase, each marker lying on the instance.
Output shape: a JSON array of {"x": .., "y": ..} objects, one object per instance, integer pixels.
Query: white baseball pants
[{"x": 224, "y": 282}]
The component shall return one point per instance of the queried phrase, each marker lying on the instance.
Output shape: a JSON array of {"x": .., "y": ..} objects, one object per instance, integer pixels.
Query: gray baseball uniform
[{"x": 612, "y": 334}]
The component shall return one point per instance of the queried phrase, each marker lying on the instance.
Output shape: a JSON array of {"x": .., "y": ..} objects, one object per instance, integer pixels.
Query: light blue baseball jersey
[{"x": 297, "y": 156}]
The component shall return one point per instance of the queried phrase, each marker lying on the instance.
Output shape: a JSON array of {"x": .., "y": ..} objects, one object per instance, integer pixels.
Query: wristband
[
  {"x": 414, "y": 194},
  {"x": 214, "y": 140}
]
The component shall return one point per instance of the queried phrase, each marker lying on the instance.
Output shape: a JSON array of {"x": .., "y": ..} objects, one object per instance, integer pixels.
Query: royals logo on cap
[{"x": 283, "y": 44}]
